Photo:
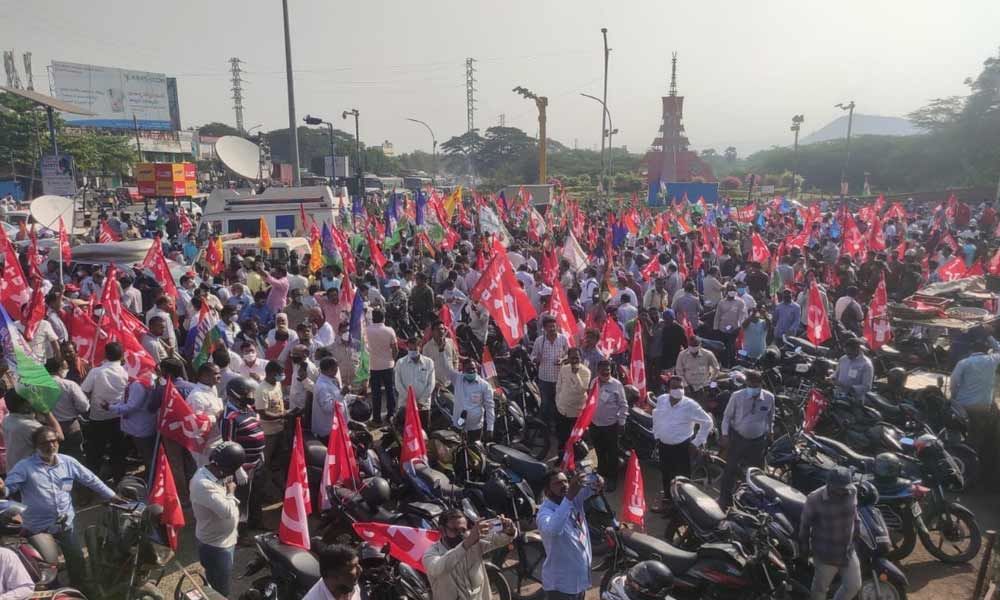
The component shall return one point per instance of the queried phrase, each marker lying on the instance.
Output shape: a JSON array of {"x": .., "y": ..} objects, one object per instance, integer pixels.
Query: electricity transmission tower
[
  {"x": 470, "y": 93},
  {"x": 234, "y": 68}
]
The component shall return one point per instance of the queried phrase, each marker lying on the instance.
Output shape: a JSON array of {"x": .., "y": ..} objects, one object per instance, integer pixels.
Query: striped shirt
[{"x": 242, "y": 425}]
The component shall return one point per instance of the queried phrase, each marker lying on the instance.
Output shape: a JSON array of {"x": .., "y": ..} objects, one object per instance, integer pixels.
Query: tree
[
  {"x": 216, "y": 129},
  {"x": 731, "y": 183},
  {"x": 709, "y": 153},
  {"x": 730, "y": 154},
  {"x": 940, "y": 113}
]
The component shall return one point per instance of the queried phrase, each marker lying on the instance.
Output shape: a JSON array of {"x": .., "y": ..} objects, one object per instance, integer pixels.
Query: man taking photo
[{"x": 455, "y": 563}]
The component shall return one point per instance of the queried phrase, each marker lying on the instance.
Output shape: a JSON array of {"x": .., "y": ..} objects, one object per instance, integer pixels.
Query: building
[{"x": 669, "y": 159}]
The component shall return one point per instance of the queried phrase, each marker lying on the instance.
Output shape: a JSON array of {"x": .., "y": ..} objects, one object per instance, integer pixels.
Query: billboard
[
  {"x": 115, "y": 96},
  {"x": 57, "y": 175},
  {"x": 677, "y": 191}
]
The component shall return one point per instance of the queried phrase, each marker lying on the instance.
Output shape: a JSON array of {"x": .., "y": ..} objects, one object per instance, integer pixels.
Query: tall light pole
[
  {"x": 849, "y": 107},
  {"x": 604, "y": 102},
  {"x": 357, "y": 139},
  {"x": 311, "y": 120},
  {"x": 292, "y": 131},
  {"x": 605, "y": 132},
  {"x": 541, "y": 103},
  {"x": 797, "y": 121},
  {"x": 434, "y": 147}
]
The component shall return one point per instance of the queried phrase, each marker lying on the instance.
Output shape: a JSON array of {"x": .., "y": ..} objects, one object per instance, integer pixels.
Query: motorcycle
[
  {"x": 39, "y": 553},
  {"x": 293, "y": 571}
]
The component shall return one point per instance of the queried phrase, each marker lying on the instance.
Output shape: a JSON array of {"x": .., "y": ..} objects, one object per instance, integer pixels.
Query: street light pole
[
  {"x": 434, "y": 146},
  {"x": 541, "y": 103},
  {"x": 311, "y": 120},
  {"x": 292, "y": 131},
  {"x": 604, "y": 133},
  {"x": 357, "y": 138},
  {"x": 847, "y": 156},
  {"x": 796, "y": 125},
  {"x": 604, "y": 102}
]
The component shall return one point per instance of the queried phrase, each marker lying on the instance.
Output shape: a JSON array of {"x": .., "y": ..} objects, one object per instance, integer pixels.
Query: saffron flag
[
  {"x": 294, "y": 528},
  {"x": 176, "y": 421},
  {"x": 164, "y": 495},
  {"x": 634, "y": 509},
  {"x": 499, "y": 291},
  {"x": 581, "y": 425},
  {"x": 414, "y": 447},
  {"x": 817, "y": 322},
  {"x": 637, "y": 364},
  {"x": 408, "y": 545},
  {"x": 265, "y": 236}
]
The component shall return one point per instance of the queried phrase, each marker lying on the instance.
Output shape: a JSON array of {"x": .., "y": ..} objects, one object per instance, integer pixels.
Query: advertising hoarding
[
  {"x": 57, "y": 175},
  {"x": 167, "y": 179},
  {"x": 113, "y": 95}
]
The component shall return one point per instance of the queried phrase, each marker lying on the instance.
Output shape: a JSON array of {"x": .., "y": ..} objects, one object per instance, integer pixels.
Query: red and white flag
[
  {"x": 414, "y": 447},
  {"x": 815, "y": 406},
  {"x": 817, "y": 322},
  {"x": 612, "y": 338},
  {"x": 634, "y": 502},
  {"x": 637, "y": 364},
  {"x": 408, "y": 545},
  {"x": 64, "y": 248},
  {"x": 164, "y": 495},
  {"x": 106, "y": 234},
  {"x": 503, "y": 297},
  {"x": 341, "y": 467},
  {"x": 489, "y": 367},
  {"x": 378, "y": 259},
  {"x": 157, "y": 263},
  {"x": 14, "y": 290},
  {"x": 294, "y": 527},
  {"x": 877, "y": 329},
  {"x": 582, "y": 424},
  {"x": 559, "y": 306},
  {"x": 34, "y": 313},
  {"x": 952, "y": 270},
  {"x": 759, "y": 252},
  {"x": 177, "y": 422}
]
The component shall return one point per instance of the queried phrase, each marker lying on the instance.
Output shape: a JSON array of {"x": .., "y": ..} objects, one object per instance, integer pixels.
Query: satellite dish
[
  {"x": 241, "y": 156},
  {"x": 46, "y": 211}
]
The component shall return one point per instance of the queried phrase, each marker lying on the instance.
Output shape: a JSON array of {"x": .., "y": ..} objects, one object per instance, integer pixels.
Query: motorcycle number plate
[
  {"x": 802, "y": 368},
  {"x": 916, "y": 509}
]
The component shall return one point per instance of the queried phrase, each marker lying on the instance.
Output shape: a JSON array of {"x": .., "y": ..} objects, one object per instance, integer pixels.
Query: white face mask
[
  {"x": 250, "y": 357},
  {"x": 731, "y": 294},
  {"x": 694, "y": 350},
  {"x": 677, "y": 393}
]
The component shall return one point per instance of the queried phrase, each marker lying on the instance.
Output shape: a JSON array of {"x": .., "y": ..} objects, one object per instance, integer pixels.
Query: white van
[
  {"x": 280, "y": 248},
  {"x": 240, "y": 211}
]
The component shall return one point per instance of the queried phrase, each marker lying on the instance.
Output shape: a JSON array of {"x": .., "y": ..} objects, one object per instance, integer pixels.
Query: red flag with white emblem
[
  {"x": 759, "y": 252},
  {"x": 14, "y": 290},
  {"x": 634, "y": 502},
  {"x": 106, "y": 234},
  {"x": 294, "y": 528},
  {"x": 582, "y": 424},
  {"x": 177, "y": 422},
  {"x": 414, "y": 447},
  {"x": 559, "y": 306},
  {"x": 817, "y": 323},
  {"x": 164, "y": 495},
  {"x": 406, "y": 544},
  {"x": 341, "y": 466},
  {"x": 815, "y": 406},
  {"x": 157, "y": 263},
  {"x": 877, "y": 329},
  {"x": 952, "y": 270},
  {"x": 637, "y": 370},
  {"x": 499, "y": 291},
  {"x": 612, "y": 338}
]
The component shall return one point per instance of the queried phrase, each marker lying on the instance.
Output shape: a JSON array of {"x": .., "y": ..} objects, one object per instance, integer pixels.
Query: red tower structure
[{"x": 669, "y": 160}]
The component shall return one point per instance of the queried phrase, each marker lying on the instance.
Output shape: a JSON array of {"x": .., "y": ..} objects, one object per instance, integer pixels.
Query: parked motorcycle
[{"x": 39, "y": 553}]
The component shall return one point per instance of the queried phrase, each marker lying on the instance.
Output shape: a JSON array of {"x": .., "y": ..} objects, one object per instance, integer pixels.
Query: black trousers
[
  {"x": 105, "y": 438},
  {"x": 606, "y": 445},
  {"x": 675, "y": 460},
  {"x": 382, "y": 380},
  {"x": 564, "y": 426},
  {"x": 742, "y": 453},
  {"x": 72, "y": 445}
]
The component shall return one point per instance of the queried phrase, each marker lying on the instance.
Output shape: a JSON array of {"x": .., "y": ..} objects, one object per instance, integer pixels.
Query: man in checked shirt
[
  {"x": 746, "y": 431},
  {"x": 829, "y": 520}
]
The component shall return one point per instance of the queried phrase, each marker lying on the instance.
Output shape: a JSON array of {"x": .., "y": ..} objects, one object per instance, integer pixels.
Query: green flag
[
  {"x": 363, "y": 372},
  {"x": 32, "y": 380}
]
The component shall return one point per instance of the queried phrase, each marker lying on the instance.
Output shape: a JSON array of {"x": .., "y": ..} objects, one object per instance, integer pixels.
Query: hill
[{"x": 863, "y": 125}]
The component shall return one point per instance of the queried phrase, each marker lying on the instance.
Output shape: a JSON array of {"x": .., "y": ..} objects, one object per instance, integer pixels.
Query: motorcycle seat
[
  {"x": 702, "y": 508},
  {"x": 424, "y": 510},
  {"x": 302, "y": 563},
  {"x": 879, "y": 403},
  {"x": 807, "y": 346},
  {"x": 792, "y": 500},
  {"x": 844, "y": 451},
  {"x": 520, "y": 462},
  {"x": 889, "y": 351},
  {"x": 641, "y": 417},
  {"x": 315, "y": 452},
  {"x": 437, "y": 480},
  {"x": 651, "y": 548}
]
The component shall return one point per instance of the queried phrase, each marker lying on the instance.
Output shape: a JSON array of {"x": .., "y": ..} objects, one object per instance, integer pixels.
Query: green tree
[
  {"x": 216, "y": 129},
  {"x": 730, "y": 154}
]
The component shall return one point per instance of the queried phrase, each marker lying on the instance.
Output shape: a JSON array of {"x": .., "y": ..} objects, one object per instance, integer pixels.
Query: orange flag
[{"x": 265, "y": 236}]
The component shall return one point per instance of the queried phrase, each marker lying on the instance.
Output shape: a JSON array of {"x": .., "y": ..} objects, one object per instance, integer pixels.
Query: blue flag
[
  {"x": 835, "y": 229},
  {"x": 357, "y": 206},
  {"x": 357, "y": 314},
  {"x": 761, "y": 220},
  {"x": 618, "y": 234},
  {"x": 421, "y": 203},
  {"x": 503, "y": 201}
]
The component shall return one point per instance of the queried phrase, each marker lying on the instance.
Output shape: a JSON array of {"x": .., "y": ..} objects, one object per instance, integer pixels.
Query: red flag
[
  {"x": 581, "y": 425},
  {"x": 83, "y": 331},
  {"x": 854, "y": 242},
  {"x": 164, "y": 495},
  {"x": 559, "y": 306},
  {"x": 302, "y": 217},
  {"x": 33, "y": 259},
  {"x": 651, "y": 270},
  {"x": 186, "y": 224},
  {"x": 341, "y": 466},
  {"x": 901, "y": 251},
  {"x": 896, "y": 211},
  {"x": 612, "y": 338},
  {"x": 976, "y": 269},
  {"x": 952, "y": 270},
  {"x": 214, "y": 255},
  {"x": 637, "y": 367},
  {"x": 550, "y": 266},
  {"x": 993, "y": 267},
  {"x": 815, "y": 406},
  {"x": 35, "y": 312},
  {"x": 688, "y": 329},
  {"x": 876, "y": 237},
  {"x": 499, "y": 291},
  {"x": 64, "y": 248},
  {"x": 634, "y": 509},
  {"x": 947, "y": 239},
  {"x": 294, "y": 528},
  {"x": 877, "y": 329},
  {"x": 759, "y": 252},
  {"x": 14, "y": 290},
  {"x": 408, "y": 545},
  {"x": 157, "y": 264},
  {"x": 489, "y": 367},
  {"x": 817, "y": 323},
  {"x": 414, "y": 447},
  {"x": 378, "y": 259},
  {"x": 106, "y": 234},
  {"x": 179, "y": 423}
]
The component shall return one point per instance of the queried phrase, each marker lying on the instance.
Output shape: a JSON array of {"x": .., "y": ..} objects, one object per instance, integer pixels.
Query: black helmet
[
  {"x": 228, "y": 456},
  {"x": 867, "y": 494},
  {"x": 887, "y": 466},
  {"x": 896, "y": 378},
  {"x": 360, "y": 410},
  {"x": 241, "y": 389},
  {"x": 375, "y": 491},
  {"x": 772, "y": 356},
  {"x": 649, "y": 580}
]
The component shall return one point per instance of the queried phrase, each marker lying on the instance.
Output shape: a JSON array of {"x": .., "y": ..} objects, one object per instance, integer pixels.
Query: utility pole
[
  {"x": 604, "y": 113},
  {"x": 292, "y": 125},
  {"x": 541, "y": 103},
  {"x": 797, "y": 121},
  {"x": 502, "y": 120},
  {"x": 10, "y": 67},
  {"x": 234, "y": 68},
  {"x": 135, "y": 128},
  {"x": 27, "y": 72},
  {"x": 470, "y": 94},
  {"x": 847, "y": 156}
]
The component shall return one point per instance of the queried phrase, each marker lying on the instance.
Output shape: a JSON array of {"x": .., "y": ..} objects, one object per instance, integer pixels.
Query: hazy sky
[{"x": 745, "y": 68}]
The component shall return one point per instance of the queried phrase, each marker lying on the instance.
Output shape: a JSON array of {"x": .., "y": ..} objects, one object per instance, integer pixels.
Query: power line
[
  {"x": 237, "y": 88},
  {"x": 470, "y": 93}
]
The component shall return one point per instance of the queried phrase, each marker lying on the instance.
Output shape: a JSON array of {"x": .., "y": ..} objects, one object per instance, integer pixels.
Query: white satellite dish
[
  {"x": 241, "y": 156},
  {"x": 46, "y": 211}
]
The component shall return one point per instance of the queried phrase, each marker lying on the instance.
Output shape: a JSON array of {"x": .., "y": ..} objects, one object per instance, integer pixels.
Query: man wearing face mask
[
  {"x": 855, "y": 373},
  {"x": 269, "y": 403},
  {"x": 608, "y": 423},
  {"x": 562, "y": 523},
  {"x": 216, "y": 513},
  {"x": 473, "y": 408},
  {"x": 455, "y": 563},
  {"x": 416, "y": 371},
  {"x": 241, "y": 424},
  {"x": 746, "y": 429},
  {"x": 347, "y": 355},
  {"x": 252, "y": 366},
  {"x": 729, "y": 317},
  {"x": 674, "y": 420},
  {"x": 339, "y": 571},
  {"x": 304, "y": 375},
  {"x": 826, "y": 532},
  {"x": 697, "y": 367}
]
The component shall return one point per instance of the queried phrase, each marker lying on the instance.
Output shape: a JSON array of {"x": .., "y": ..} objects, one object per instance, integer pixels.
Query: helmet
[
  {"x": 631, "y": 394},
  {"x": 896, "y": 378},
  {"x": 228, "y": 456},
  {"x": 649, "y": 580},
  {"x": 360, "y": 410},
  {"x": 772, "y": 356},
  {"x": 887, "y": 466},
  {"x": 375, "y": 491},
  {"x": 925, "y": 441},
  {"x": 867, "y": 494},
  {"x": 241, "y": 389}
]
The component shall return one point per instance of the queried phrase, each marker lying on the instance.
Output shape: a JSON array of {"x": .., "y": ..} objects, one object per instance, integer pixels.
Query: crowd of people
[{"x": 286, "y": 346}]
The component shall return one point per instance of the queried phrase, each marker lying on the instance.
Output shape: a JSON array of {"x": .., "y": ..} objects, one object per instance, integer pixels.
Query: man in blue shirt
[
  {"x": 972, "y": 384},
  {"x": 260, "y": 311},
  {"x": 787, "y": 316},
  {"x": 562, "y": 523},
  {"x": 45, "y": 481}
]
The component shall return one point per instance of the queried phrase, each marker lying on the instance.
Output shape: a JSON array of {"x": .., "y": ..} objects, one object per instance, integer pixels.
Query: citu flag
[
  {"x": 178, "y": 422},
  {"x": 214, "y": 256},
  {"x": 559, "y": 306},
  {"x": 505, "y": 300},
  {"x": 876, "y": 237},
  {"x": 634, "y": 501},
  {"x": 34, "y": 313},
  {"x": 877, "y": 330},
  {"x": 637, "y": 364},
  {"x": 408, "y": 545},
  {"x": 106, "y": 234},
  {"x": 952, "y": 270},
  {"x": 759, "y": 252},
  {"x": 581, "y": 425},
  {"x": 612, "y": 338},
  {"x": 993, "y": 267},
  {"x": 33, "y": 259},
  {"x": 341, "y": 466},
  {"x": 817, "y": 322},
  {"x": 815, "y": 406},
  {"x": 14, "y": 290},
  {"x": 64, "y": 248},
  {"x": 378, "y": 259},
  {"x": 294, "y": 527},
  {"x": 265, "y": 236},
  {"x": 414, "y": 448},
  {"x": 164, "y": 495},
  {"x": 157, "y": 263}
]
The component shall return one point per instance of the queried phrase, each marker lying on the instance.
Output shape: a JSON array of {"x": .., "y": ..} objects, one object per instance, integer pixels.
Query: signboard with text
[
  {"x": 115, "y": 96},
  {"x": 58, "y": 175}
]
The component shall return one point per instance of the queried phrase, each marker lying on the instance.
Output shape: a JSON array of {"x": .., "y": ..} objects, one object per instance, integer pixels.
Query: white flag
[{"x": 574, "y": 254}]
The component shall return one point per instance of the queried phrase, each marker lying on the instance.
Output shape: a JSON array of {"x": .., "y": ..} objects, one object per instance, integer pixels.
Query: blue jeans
[
  {"x": 72, "y": 551},
  {"x": 382, "y": 381},
  {"x": 218, "y": 565},
  {"x": 547, "y": 411}
]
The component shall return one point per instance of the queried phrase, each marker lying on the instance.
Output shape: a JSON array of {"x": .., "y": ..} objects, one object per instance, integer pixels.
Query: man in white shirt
[
  {"x": 339, "y": 571},
  {"x": 441, "y": 349},
  {"x": 106, "y": 384},
  {"x": 304, "y": 375},
  {"x": 326, "y": 393},
  {"x": 44, "y": 342},
  {"x": 162, "y": 309},
  {"x": 674, "y": 419},
  {"x": 131, "y": 297},
  {"x": 253, "y": 366},
  {"x": 217, "y": 513},
  {"x": 53, "y": 314},
  {"x": 204, "y": 400},
  {"x": 416, "y": 371}
]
